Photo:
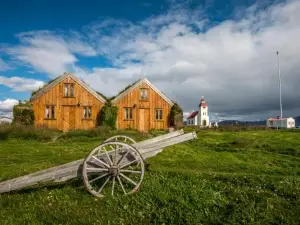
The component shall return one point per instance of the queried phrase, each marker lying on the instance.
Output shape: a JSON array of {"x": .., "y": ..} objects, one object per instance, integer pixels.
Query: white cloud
[
  {"x": 20, "y": 84},
  {"x": 49, "y": 52},
  {"x": 7, "y": 105}
]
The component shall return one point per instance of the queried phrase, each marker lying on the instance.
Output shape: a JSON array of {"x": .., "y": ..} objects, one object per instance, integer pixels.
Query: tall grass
[{"x": 26, "y": 132}]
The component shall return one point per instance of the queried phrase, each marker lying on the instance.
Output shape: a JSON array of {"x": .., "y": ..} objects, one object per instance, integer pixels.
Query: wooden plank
[{"x": 73, "y": 169}]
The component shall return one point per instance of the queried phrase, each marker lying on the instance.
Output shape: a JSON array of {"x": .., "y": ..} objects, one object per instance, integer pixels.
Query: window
[
  {"x": 50, "y": 112},
  {"x": 68, "y": 90},
  {"x": 158, "y": 114},
  {"x": 128, "y": 113},
  {"x": 144, "y": 94},
  {"x": 87, "y": 112}
]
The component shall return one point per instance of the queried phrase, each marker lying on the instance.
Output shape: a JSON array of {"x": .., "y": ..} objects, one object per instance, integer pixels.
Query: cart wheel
[
  {"x": 121, "y": 138},
  {"x": 113, "y": 168}
]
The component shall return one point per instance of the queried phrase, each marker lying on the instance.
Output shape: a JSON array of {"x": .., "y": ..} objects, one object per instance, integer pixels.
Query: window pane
[
  {"x": 72, "y": 90},
  {"x": 53, "y": 112},
  {"x": 130, "y": 116},
  {"x": 84, "y": 112},
  {"x": 90, "y": 112},
  {"x": 160, "y": 117},
  {"x": 66, "y": 90}
]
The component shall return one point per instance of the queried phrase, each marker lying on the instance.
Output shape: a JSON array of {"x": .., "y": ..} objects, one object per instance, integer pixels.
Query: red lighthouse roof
[{"x": 203, "y": 102}]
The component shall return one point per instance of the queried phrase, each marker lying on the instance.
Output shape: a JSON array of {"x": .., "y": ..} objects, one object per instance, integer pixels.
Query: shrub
[
  {"x": 176, "y": 116},
  {"x": 23, "y": 114},
  {"x": 26, "y": 132},
  {"x": 108, "y": 115},
  {"x": 96, "y": 132}
]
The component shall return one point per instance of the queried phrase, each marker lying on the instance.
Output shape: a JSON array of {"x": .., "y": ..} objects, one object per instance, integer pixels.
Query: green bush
[
  {"x": 108, "y": 115},
  {"x": 20, "y": 131},
  {"x": 23, "y": 114},
  {"x": 176, "y": 116}
]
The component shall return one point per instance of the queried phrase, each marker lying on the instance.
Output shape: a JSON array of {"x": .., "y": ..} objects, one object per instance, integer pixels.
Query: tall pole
[{"x": 279, "y": 77}]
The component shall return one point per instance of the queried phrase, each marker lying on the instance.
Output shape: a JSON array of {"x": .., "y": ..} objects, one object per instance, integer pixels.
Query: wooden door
[
  {"x": 144, "y": 120},
  {"x": 69, "y": 119}
]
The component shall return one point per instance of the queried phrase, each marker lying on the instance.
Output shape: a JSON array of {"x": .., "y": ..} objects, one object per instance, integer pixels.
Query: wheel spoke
[
  {"x": 121, "y": 184},
  {"x": 100, "y": 161},
  {"x": 108, "y": 156},
  {"x": 103, "y": 185},
  {"x": 127, "y": 178},
  {"x": 129, "y": 163},
  {"x": 113, "y": 186},
  {"x": 91, "y": 169},
  {"x": 97, "y": 178},
  {"x": 130, "y": 171},
  {"x": 115, "y": 160}
]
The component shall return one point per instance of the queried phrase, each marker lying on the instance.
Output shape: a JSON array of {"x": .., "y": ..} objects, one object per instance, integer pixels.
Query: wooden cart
[{"x": 119, "y": 161}]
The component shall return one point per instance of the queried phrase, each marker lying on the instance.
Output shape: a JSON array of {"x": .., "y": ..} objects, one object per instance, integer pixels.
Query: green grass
[{"x": 248, "y": 177}]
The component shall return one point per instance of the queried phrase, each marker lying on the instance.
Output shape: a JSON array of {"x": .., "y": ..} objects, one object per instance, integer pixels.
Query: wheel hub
[{"x": 114, "y": 171}]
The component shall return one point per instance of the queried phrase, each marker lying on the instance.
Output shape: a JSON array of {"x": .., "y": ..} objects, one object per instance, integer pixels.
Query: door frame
[
  {"x": 63, "y": 117},
  {"x": 146, "y": 110}
]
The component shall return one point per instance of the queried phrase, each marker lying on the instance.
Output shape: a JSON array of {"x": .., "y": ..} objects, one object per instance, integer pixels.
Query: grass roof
[
  {"x": 40, "y": 88},
  {"x": 123, "y": 90}
]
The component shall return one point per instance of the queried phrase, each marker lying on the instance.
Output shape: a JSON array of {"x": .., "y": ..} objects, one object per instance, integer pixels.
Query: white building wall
[
  {"x": 286, "y": 123},
  {"x": 192, "y": 121},
  {"x": 203, "y": 116}
]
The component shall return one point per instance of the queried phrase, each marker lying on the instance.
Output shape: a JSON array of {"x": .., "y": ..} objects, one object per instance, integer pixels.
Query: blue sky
[{"x": 224, "y": 50}]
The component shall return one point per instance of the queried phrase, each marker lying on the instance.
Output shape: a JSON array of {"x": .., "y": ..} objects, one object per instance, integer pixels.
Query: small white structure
[
  {"x": 281, "y": 123},
  {"x": 192, "y": 119},
  {"x": 199, "y": 118},
  {"x": 213, "y": 124},
  {"x": 5, "y": 120}
]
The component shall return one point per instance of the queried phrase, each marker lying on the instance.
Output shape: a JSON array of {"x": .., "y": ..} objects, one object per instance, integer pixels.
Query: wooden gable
[
  {"x": 143, "y": 112},
  {"x": 68, "y": 110}
]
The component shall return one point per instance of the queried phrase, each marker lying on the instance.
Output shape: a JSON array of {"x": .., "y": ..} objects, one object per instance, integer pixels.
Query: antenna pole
[{"x": 279, "y": 77}]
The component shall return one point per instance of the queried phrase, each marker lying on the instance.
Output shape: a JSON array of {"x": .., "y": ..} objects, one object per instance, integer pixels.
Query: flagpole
[{"x": 279, "y": 77}]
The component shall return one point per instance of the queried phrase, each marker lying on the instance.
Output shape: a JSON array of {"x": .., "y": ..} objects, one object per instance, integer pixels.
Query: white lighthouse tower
[{"x": 203, "y": 118}]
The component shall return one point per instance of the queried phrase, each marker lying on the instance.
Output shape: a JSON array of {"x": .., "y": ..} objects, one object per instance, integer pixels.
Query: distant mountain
[{"x": 244, "y": 123}]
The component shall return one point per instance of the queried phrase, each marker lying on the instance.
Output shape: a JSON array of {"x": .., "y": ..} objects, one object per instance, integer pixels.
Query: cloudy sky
[{"x": 224, "y": 50}]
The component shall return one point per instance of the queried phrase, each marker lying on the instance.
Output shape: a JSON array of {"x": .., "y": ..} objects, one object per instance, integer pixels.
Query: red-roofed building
[
  {"x": 193, "y": 119},
  {"x": 199, "y": 118}
]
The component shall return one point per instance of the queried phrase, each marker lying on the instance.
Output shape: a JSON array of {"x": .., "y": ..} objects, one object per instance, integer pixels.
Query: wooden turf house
[
  {"x": 67, "y": 103},
  {"x": 143, "y": 107}
]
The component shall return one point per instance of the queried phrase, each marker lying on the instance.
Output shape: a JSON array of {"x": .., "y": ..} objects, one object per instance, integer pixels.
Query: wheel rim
[
  {"x": 113, "y": 168},
  {"x": 121, "y": 138}
]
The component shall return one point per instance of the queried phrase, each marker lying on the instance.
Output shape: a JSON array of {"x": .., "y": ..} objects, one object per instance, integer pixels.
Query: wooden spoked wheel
[
  {"x": 113, "y": 168},
  {"x": 121, "y": 138}
]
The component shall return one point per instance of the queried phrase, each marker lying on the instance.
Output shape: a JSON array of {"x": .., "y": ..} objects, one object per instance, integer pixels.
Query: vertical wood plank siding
[
  {"x": 66, "y": 107},
  {"x": 154, "y": 102}
]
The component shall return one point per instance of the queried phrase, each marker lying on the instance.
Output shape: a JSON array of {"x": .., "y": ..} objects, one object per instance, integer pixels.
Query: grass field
[{"x": 249, "y": 177}]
